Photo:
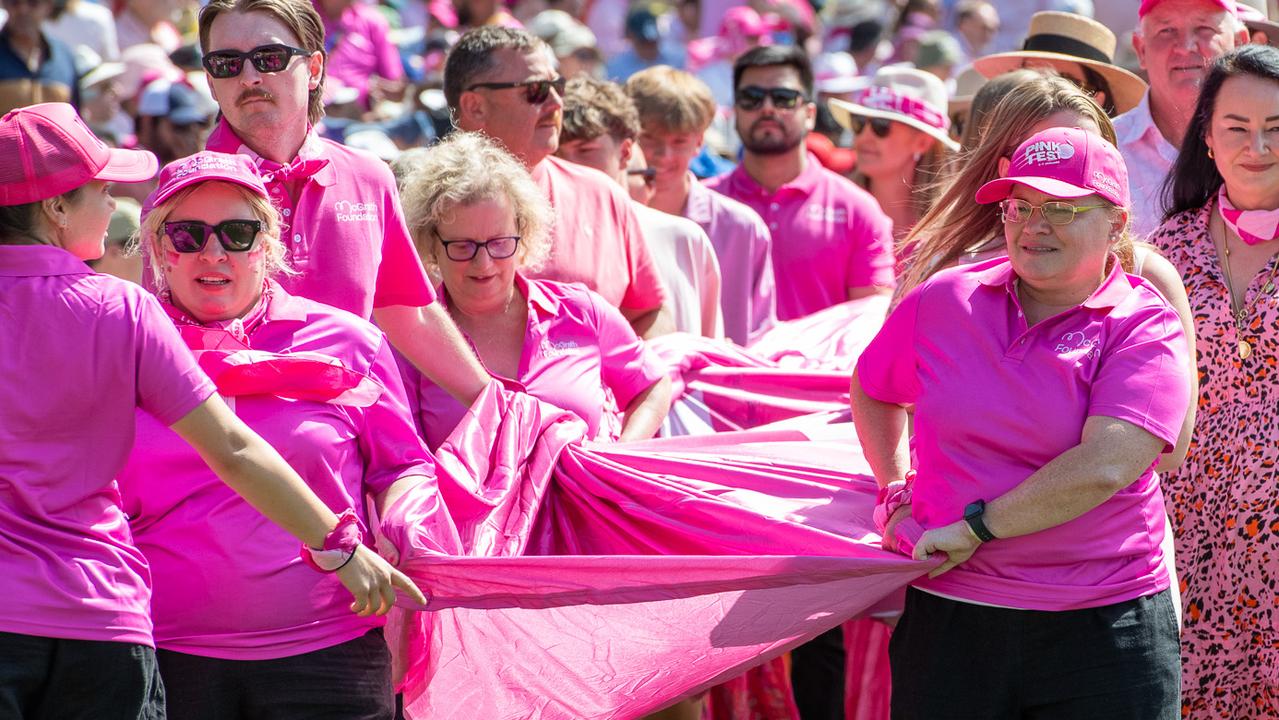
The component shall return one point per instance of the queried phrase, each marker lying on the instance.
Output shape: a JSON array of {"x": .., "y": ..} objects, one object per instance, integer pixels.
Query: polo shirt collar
[
  {"x": 39, "y": 261},
  {"x": 538, "y": 300},
  {"x": 1142, "y": 122},
  {"x": 224, "y": 139},
  {"x": 1112, "y": 291},
  {"x": 284, "y": 306},
  {"x": 697, "y": 207},
  {"x": 804, "y": 183}
]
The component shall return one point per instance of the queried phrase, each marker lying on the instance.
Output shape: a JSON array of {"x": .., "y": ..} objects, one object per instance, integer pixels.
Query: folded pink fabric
[{"x": 830, "y": 339}]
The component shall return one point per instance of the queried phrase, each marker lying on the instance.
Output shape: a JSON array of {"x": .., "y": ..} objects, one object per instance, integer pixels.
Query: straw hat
[
  {"x": 1064, "y": 41},
  {"x": 904, "y": 94},
  {"x": 1256, "y": 16}
]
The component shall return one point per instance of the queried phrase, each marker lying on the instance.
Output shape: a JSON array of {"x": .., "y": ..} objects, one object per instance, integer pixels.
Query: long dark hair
[{"x": 1194, "y": 179}]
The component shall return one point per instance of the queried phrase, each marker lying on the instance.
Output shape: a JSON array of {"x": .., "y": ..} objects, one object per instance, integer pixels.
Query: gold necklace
[{"x": 1242, "y": 309}]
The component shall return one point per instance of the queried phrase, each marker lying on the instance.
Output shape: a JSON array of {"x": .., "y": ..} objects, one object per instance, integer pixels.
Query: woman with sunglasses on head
[
  {"x": 245, "y": 625},
  {"x": 77, "y": 590},
  {"x": 479, "y": 222},
  {"x": 1035, "y": 457},
  {"x": 1222, "y": 234}
]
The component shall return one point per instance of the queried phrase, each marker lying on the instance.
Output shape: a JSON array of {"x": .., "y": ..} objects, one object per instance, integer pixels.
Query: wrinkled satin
[{"x": 830, "y": 339}]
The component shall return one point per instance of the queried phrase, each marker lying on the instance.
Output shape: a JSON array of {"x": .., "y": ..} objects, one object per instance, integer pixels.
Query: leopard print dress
[{"x": 1224, "y": 499}]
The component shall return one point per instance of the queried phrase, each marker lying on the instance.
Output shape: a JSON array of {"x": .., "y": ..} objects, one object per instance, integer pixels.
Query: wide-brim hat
[
  {"x": 905, "y": 95},
  {"x": 1063, "y": 40},
  {"x": 1256, "y": 17}
]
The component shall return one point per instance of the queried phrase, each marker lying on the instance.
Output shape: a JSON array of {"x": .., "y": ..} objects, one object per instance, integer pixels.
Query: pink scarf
[
  {"x": 1252, "y": 226},
  {"x": 224, "y": 353}
]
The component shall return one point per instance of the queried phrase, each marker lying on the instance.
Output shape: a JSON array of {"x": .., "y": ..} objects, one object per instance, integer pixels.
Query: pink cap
[
  {"x": 743, "y": 21},
  {"x": 1148, "y": 5},
  {"x": 1064, "y": 163},
  {"x": 47, "y": 150},
  {"x": 201, "y": 167}
]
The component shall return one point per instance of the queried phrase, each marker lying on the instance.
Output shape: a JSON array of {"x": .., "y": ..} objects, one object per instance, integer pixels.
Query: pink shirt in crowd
[
  {"x": 995, "y": 402},
  {"x": 596, "y": 239},
  {"x": 748, "y": 294},
  {"x": 359, "y": 47},
  {"x": 342, "y": 225},
  {"x": 228, "y": 583},
  {"x": 83, "y": 352},
  {"x": 828, "y": 236},
  {"x": 577, "y": 351}
]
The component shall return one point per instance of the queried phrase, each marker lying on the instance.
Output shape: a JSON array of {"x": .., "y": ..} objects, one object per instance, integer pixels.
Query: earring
[{"x": 1210, "y": 153}]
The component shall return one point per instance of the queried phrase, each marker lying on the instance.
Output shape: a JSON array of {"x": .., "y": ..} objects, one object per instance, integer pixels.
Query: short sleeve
[
  {"x": 169, "y": 382},
  {"x": 1144, "y": 374},
  {"x": 888, "y": 368},
  {"x": 645, "y": 290},
  {"x": 401, "y": 280},
  {"x": 389, "y": 441},
  {"x": 627, "y": 366},
  {"x": 763, "y": 310},
  {"x": 870, "y": 264}
]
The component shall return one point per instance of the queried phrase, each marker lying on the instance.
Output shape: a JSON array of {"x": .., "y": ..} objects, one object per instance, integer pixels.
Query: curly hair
[
  {"x": 597, "y": 107},
  {"x": 149, "y": 234},
  {"x": 466, "y": 168}
]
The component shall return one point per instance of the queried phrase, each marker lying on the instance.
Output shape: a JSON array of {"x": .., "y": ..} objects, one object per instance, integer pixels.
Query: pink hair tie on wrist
[
  {"x": 891, "y": 497},
  {"x": 339, "y": 545}
]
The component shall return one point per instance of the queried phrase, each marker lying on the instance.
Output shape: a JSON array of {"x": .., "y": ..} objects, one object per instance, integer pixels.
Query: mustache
[{"x": 253, "y": 94}]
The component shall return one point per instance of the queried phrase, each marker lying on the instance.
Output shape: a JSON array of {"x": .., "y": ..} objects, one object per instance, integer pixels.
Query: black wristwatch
[{"x": 973, "y": 516}]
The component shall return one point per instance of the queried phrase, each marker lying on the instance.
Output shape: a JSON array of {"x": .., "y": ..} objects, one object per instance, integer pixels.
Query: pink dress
[{"x": 1223, "y": 498}]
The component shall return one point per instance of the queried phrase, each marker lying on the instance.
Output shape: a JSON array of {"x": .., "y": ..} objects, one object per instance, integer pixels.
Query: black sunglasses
[
  {"x": 649, "y": 175},
  {"x": 498, "y": 248},
  {"x": 190, "y": 236},
  {"x": 880, "y": 126},
  {"x": 536, "y": 92},
  {"x": 272, "y": 58},
  {"x": 752, "y": 97}
]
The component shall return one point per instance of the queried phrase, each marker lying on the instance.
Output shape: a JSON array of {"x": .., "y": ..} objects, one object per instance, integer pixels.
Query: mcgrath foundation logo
[
  {"x": 208, "y": 163},
  {"x": 348, "y": 211},
  {"x": 1047, "y": 152},
  {"x": 1075, "y": 341},
  {"x": 821, "y": 213},
  {"x": 559, "y": 348}
]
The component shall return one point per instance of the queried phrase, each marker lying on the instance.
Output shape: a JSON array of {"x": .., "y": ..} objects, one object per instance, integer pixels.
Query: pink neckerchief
[
  {"x": 224, "y": 352},
  {"x": 1252, "y": 226}
]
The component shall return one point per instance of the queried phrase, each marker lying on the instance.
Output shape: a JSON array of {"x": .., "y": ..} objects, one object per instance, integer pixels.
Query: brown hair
[
  {"x": 300, "y": 16},
  {"x": 595, "y": 107},
  {"x": 670, "y": 100}
]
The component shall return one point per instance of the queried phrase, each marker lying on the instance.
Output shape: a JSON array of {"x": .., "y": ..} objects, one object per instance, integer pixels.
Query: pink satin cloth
[
  {"x": 830, "y": 339},
  {"x": 607, "y": 581}
]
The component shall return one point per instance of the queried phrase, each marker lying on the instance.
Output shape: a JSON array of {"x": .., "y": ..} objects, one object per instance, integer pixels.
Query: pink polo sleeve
[
  {"x": 645, "y": 290},
  {"x": 871, "y": 261},
  {"x": 1144, "y": 374},
  {"x": 170, "y": 383},
  {"x": 888, "y": 368},
  {"x": 626, "y": 364},
  {"x": 401, "y": 280},
  {"x": 389, "y": 439}
]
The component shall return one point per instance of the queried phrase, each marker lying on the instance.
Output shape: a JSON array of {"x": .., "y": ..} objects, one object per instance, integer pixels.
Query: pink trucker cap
[
  {"x": 1148, "y": 5},
  {"x": 1064, "y": 163},
  {"x": 201, "y": 167},
  {"x": 47, "y": 150}
]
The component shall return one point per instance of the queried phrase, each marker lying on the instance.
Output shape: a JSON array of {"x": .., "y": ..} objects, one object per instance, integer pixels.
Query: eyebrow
[{"x": 1240, "y": 118}]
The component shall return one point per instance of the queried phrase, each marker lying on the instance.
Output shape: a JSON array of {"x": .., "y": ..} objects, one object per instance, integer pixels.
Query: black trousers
[
  {"x": 959, "y": 661},
  {"x": 52, "y": 678},
  {"x": 350, "y": 681},
  {"x": 817, "y": 676}
]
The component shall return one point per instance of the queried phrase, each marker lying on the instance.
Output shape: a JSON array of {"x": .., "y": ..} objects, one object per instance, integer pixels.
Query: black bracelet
[{"x": 348, "y": 559}]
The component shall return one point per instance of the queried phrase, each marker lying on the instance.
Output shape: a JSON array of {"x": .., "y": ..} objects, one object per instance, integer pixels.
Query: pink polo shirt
[
  {"x": 83, "y": 352},
  {"x": 342, "y": 225},
  {"x": 743, "y": 246},
  {"x": 228, "y": 583},
  {"x": 578, "y": 350},
  {"x": 596, "y": 239},
  {"x": 995, "y": 402},
  {"x": 828, "y": 236},
  {"x": 359, "y": 47}
]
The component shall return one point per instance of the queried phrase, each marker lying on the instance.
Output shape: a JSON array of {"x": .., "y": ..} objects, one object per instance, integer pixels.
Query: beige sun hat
[
  {"x": 1063, "y": 41},
  {"x": 1256, "y": 16},
  {"x": 904, "y": 94}
]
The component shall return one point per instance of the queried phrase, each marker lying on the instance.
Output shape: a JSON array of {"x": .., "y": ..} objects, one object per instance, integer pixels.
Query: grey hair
[{"x": 474, "y": 56}]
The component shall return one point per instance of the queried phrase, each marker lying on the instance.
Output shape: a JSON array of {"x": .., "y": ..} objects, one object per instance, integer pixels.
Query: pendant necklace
[{"x": 1242, "y": 309}]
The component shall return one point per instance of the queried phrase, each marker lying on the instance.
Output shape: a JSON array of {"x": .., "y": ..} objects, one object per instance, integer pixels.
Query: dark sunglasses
[
  {"x": 649, "y": 175},
  {"x": 190, "y": 236},
  {"x": 536, "y": 92},
  {"x": 272, "y": 58},
  {"x": 498, "y": 248},
  {"x": 752, "y": 97},
  {"x": 880, "y": 126}
]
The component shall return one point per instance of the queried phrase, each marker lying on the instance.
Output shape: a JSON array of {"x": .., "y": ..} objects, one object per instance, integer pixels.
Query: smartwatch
[{"x": 973, "y": 516}]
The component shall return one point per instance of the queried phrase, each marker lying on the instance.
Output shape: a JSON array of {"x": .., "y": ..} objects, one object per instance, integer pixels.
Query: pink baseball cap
[
  {"x": 205, "y": 166},
  {"x": 1148, "y": 5},
  {"x": 1064, "y": 163},
  {"x": 47, "y": 150}
]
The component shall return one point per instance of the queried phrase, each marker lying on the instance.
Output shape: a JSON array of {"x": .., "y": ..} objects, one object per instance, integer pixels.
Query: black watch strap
[{"x": 973, "y": 515}]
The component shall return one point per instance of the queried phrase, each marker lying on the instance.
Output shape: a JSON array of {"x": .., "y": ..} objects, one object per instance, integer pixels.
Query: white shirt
[
  {"x": 87, "y": 24},
  {"x": 686, "y": 261},
  {"x": 1149, "y": 157}
]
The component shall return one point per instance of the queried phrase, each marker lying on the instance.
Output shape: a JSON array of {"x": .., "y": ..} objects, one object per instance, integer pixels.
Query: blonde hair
[
  {"x": 147, "y": 239},
  {"x": 670, "y": 100},
  {"x": 466, "y": 168},
  {"x": 956, "y": 223}
]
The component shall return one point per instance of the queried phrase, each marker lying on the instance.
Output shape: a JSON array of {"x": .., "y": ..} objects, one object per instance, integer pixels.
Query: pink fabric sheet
[{"x": 830, "y": 339}]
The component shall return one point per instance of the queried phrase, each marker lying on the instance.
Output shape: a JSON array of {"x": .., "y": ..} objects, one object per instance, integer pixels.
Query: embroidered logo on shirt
[
  {"x": 348, "y": 211},
  {"x": 562, "y": 347},
  {"x": 821, "y": 213},
  {"x": 1074, "y": 341},
  {"x": 1047, "y": 152}
]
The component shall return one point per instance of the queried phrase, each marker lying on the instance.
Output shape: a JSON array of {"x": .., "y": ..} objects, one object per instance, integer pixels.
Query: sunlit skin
[
  {"x": 769, "y": 129},
  {"x": 1244, "y": 138},
  {"x": 214, "y": 285},
  {"x": 604, "y": 153},
  {"x": 670, "y": 154},
  {"x": 87, "y": 217},
  {"x": 640, "y": 191},
  {"x": 480, "y": 286},
  {"x": 890, "y": 157},
  {"x": 529, "y": 132}
]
